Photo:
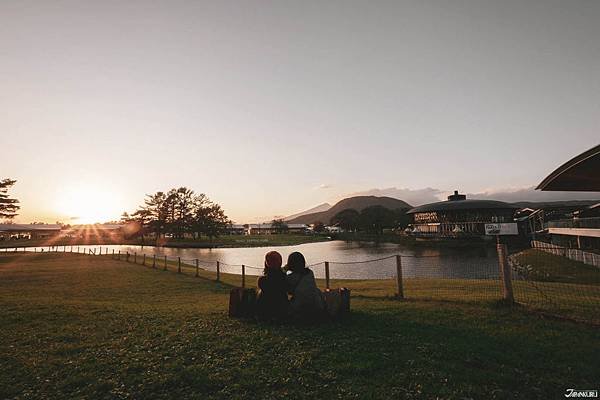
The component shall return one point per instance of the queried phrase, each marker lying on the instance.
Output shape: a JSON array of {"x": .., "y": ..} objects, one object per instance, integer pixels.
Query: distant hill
[
  {"x": 317, "y": 209},
  {"x": 358, "y": 203}
]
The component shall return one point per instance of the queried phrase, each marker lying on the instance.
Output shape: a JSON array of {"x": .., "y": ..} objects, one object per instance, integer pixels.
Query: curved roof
[
  {"x": 462, "y": 205},
  {"x": 580, "y": 174}
]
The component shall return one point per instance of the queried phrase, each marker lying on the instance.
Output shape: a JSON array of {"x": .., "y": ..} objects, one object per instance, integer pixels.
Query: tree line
[
  {"x": 8, "y": 205},
  {"x": 177, "y": 212},
  {"x": 373, "y": 219}
]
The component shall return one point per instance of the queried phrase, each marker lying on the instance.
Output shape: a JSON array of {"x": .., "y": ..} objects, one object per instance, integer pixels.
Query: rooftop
[
  {"x": 579, "y": 174},
  {"x": 28, "y": 227},
  {"x": 458, "y": 201}
]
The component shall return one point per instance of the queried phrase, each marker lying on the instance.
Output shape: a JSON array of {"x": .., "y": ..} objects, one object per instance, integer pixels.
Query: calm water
[{"x": 476, "y": 263}]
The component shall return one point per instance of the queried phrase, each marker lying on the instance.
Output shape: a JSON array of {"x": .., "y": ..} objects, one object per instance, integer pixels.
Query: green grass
[
  {"x": 558, "y": 285},
  {"x": 77, "y": 326},
  {"x": 553, "y": 268}
]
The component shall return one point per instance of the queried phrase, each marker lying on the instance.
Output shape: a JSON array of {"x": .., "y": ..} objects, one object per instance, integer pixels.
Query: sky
[{"x": 273, "y": 107}]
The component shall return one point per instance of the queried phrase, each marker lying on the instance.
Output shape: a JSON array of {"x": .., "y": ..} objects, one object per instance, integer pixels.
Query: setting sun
[{"x": 87, "y": 205}]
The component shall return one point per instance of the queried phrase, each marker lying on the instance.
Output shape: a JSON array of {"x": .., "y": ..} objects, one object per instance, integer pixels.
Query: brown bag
[
  {"x": 337, "y": 302},
  {"x": 242, "y": 302},
  {"x": 333, "y": 302},
  {"x": 345, "y": 297}
]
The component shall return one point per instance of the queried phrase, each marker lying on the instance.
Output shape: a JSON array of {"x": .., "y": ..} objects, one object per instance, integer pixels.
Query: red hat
[{"x": 273, "y": 260}]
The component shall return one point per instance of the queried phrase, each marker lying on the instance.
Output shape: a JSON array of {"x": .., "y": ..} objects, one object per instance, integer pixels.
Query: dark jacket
[
  {"x": 272, "y": 301},
  {"x": 307, "y": 300}
]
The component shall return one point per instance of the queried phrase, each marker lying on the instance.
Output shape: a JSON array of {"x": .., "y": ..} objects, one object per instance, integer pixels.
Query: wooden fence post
[
  {"x": 135, "y": 257},
  {"x": 327, "y": 274},
  {"x": 113, "y": 254},
  {"x": 165, "y": 267},
  {"x": 154, "y": 261},
  {"x": 178, "y": 265},
  {"x": 243, "y": 276},
  {"x": 505, "y": 274},
  {"x": 119, "y": 255},
  {"x": 127, "y": 257},
  {"x": 144, "y": 260},
  {"x": 400, "y": 293},
  {"x": 218, "y": 271}
]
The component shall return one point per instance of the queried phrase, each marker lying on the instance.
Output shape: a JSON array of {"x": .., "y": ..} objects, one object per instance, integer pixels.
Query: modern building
[
  {"x": 237, "y": 229},
  {"x": 28, "y": 231},
  {"x": 580, "y": 174},
  {"x": 96, "y": 231},
  {"x": 269, "y": 229},
  {"x": 458, "y": 217}
]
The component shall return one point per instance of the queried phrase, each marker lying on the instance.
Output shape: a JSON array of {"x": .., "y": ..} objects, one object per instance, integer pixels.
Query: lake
[{"x": 348, "y": 260}]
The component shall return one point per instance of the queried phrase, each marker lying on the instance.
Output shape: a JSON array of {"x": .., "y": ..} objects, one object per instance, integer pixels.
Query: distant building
[
  {"x": 28, "y": 231},
  {"x": 93, "y": 230},
  {"x": 333, "y": 229},
  {"x": 237, "y": 229},
  {"x": 458, "y": 217},
  {"x": 268, "y": 229}
]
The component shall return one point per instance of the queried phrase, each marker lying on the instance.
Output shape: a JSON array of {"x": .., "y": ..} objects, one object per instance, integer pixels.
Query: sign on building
[{"x": 502, "y": 229}]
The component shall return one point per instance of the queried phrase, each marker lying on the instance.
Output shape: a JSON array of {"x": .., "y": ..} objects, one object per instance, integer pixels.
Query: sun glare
[{"x": 88, "y": 205}]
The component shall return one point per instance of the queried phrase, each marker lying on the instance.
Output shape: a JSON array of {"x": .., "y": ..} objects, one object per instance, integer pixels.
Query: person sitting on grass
[
  {"x": 306, "y": 303},
  {"x": 272, "y": 299}
]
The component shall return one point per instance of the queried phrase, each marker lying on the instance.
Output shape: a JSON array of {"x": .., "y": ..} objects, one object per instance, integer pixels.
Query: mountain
[
  {"x": 358, "y": 203},
  {"x": 317, "y": 209}
]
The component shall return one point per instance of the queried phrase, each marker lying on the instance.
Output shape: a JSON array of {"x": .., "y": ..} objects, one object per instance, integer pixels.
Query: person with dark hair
[
  {"x": 272, "y": 299},
  {"x": 307, "y": 301}
]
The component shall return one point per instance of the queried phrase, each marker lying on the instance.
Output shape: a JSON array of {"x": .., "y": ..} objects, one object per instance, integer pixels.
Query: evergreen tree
[
  {"x": 347, "y": 219},
  {"x": 178, "y": 211},
  {"x": 8, "y": 206},
  {"x": 279, "y": 225},
  {"x": 157, "y": 207}
]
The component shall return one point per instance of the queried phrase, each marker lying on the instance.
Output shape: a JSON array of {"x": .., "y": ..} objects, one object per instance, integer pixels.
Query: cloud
[
  {"x": 417, "y": 197},
  {"x": 325, "y": 186}
]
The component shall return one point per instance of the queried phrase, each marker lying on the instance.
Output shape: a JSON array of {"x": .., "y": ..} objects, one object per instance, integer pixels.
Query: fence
[
  {"x": 590, "y": 222},
  {"x": 422, "y": 277},
  {"x": 540, "y": 278},
  {"x": 573, "y": 254},
  {"x": 545, "y": 280}
]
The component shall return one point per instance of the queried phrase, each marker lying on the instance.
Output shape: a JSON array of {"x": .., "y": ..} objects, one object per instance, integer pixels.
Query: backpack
[
  {"x": 337, "y": 302},
  {"x": 242, "y": 302}
]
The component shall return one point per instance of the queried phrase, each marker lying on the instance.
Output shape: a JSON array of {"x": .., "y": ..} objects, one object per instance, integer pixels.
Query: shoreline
[
  {"x": 244, "y": 241},
  {"x": 233, "y": 241}
]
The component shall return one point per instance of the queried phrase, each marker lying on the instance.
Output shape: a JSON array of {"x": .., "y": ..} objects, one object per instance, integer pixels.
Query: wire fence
[
  {"x": 542, "y": 280},
  {"x": 555, "y": 284},
  {"x": 585, "y": 257}
]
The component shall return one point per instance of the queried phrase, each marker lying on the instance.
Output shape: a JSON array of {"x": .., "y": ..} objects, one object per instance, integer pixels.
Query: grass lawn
[
  {"x": 77, "y": 326},
  {"x": 553, "y": 268}
]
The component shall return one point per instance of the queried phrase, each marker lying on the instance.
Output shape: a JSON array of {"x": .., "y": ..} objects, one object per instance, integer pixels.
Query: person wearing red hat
[{"x": 272, "y": 300}]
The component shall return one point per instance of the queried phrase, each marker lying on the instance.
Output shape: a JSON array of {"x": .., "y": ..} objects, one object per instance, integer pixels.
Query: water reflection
[{"x": 443, "y": 262}]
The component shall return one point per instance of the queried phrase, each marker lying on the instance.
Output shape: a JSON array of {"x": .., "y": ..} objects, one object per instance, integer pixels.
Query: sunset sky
[{"x": 273, "y": 107}]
